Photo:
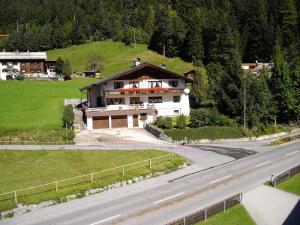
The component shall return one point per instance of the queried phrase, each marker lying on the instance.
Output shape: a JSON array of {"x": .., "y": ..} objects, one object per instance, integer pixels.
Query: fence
[
  {"x": 286, "y": 175},
  {"x": 209, "y": 211},
  {"x": 111, "y": 175}
]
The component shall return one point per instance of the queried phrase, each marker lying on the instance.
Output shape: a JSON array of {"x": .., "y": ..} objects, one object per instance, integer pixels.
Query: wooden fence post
[
  {"x": 183, "y": 220},
  {"x": 56, "y": 186},
  {"x": 16, "y": 197},
  {"x": 123, "y": 171},
  {"x": 224, "y": 205},
  {"x": 205, "y": 214},
  {"x": 150, "y": 164},
  {"x": 92, "y": 178}
]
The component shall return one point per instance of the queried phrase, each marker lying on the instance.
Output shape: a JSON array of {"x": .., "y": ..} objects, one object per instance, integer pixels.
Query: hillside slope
[{"x": 115, "y": 57}]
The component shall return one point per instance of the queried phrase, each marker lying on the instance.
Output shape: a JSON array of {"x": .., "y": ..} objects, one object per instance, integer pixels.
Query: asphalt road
[{"x": 161, "y": 200}]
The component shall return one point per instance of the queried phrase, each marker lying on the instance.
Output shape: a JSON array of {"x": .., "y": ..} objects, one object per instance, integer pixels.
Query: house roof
[
  {"x": 22, "y": 55},
  {"x": 135, "y": 69}
]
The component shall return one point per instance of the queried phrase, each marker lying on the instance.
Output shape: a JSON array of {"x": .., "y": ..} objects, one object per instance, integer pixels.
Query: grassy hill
[{"x": 115, "y": 57}]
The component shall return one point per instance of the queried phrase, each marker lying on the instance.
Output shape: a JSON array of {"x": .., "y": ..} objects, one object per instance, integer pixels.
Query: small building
[
  {"x": 27, "y": 63},
  {"x": 255, "y": 68},
  {"x": 135, "y": 97}
]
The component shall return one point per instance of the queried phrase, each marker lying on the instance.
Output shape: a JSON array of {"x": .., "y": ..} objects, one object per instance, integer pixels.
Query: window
[
  {"x": 134, "y": 100},
  {"x": 23, "y": 71},
  {"x": 23, "y": 64},
  {"x": 173, "y": 83},
  {"x": 118, "y": 85},
  {"x": 134, "y": 84},
  {"x": 115, "y": 101},
  {"x": 32, "y": 71},
  {"x": 176, "y": 112},
  {"x": 176, "y": 98},
  {"x": 154, "y": 84},
  {"x": 155, "y": 99}
]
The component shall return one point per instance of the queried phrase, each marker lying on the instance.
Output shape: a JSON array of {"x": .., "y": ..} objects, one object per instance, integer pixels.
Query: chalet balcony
[
  {"x": 138, "y": 92},
  {"x": 119, "y": 110}
]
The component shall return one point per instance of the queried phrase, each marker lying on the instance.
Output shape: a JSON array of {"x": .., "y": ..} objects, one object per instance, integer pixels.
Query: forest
[{"x": 215, "y": 35}]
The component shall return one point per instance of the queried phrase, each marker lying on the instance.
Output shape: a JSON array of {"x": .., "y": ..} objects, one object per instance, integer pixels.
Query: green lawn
[
  {"x": 22, "y": 169},
  {"x": 291, "y": 185},
  {"x": 205, "y": 133},
  {"x": 116, "y": 57},
  {"x": 236, "y": 215},
  {"x": 35, "y": 104}
]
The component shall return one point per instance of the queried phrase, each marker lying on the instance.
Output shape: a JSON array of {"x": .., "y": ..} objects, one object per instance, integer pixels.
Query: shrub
[
  {"x": 159, "y": 122},
  {"x": 205, "y": 117},
  {"x": 69, "y": 135},
  {"x": 168, "y": 123},
  {"x": 68, "y": 116},
  {"x": 181, "y": 121},
  {"x": 164, "y": 122},
  {"x": 20, "y": 77}
]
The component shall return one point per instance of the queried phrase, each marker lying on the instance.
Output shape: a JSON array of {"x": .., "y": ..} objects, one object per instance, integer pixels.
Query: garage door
[
  {"x": 119, "y": 121},
  {"x": 100, "y": 122},
  {"x": 135, "y": 121}
]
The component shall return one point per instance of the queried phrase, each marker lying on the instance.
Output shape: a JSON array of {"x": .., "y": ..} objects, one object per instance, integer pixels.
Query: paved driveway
[{"x": 116, "y": 136}]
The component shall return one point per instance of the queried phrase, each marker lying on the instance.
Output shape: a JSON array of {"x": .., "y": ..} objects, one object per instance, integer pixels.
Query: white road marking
[
  {"x": 102, "y": 221},
  {"x": 291, "y": 153},
  {"x": 264, "y": 163},
  {"x": 220, "y": 179},
  {"x": 165, "y": 199}
]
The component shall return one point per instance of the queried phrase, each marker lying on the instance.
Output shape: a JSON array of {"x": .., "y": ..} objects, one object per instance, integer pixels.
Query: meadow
[
  {"x": 116, "y": 57},
  {"x": 36, "y": 104},
  {"x": 23, "y": 169},
  {"x": 235, "y": 215}
]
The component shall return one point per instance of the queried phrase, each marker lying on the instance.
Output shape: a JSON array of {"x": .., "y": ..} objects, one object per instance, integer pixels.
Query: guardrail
[
  {"x": 85, "y": 178},
  {"x": 286, "y": 175},
  {"x": 209, "y": 211}
]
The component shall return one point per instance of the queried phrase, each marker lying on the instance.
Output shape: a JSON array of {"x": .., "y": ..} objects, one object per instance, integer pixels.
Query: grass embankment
[
  {"x": 116, "y": 57},
  {"x": 205, "y": 133},
  {"x": 22, "y": 169},
  {"x": 32, "y": 110},
  {"x": 235, "y": 215},
  {"x": 291, "y": 185},
  {"x": 284, "y": 140}
]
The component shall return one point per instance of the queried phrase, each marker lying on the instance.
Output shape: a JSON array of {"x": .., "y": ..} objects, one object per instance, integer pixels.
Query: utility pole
[{"x": 245, "y": 86}]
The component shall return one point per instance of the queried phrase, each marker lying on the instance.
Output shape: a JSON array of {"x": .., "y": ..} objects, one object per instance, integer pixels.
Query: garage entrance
[
  {"x": 100, "y": 122},
  {"x": 135, "y": 120},
  {"x": 119, "y": 121}
]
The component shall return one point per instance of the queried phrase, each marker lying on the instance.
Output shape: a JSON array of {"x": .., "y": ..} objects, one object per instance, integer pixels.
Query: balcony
[
  {"x": 137, "y": 92},
  {"x": 119, "y": 110}
]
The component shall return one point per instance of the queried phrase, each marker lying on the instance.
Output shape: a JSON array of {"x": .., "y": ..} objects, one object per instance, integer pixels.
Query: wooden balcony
[{"x": 138, "y": 92}]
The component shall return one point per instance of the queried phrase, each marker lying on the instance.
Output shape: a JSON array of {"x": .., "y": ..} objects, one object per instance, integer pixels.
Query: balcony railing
[{"x": 143, "y": 92}]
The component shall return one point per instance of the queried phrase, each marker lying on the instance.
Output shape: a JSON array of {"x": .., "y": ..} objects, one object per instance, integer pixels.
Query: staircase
[{"x": 78, "y": 120}]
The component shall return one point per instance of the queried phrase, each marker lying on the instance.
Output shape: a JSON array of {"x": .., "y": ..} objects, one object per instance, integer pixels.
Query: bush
[
  {"x": 68, "y": 116},
  {"x": 164, "y": 122},
  {"x": 205, "y": 117},
  {"x": 181, "y": 121},
  {"x": 20, "y": 77},
  {"x": 69, "y": 135},
  {"x": 168, "y": 123}
]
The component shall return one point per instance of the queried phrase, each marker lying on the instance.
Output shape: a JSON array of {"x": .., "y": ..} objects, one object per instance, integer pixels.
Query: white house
[
  {"x": 27, "y": 63},
  {"x": 135, "y": 97}
]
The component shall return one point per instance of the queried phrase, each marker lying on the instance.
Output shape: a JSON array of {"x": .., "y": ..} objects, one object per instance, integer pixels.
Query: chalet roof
[
  {"x": 22, "y": 55},
  {"x": 137, "y": 68}
]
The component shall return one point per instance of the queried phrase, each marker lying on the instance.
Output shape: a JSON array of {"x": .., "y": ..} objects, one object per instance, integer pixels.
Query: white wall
[{"x": 166, "y": 108}]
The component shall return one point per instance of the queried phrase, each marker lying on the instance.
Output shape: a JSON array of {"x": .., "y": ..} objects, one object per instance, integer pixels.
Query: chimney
[{"x": 136, "y": 62}]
